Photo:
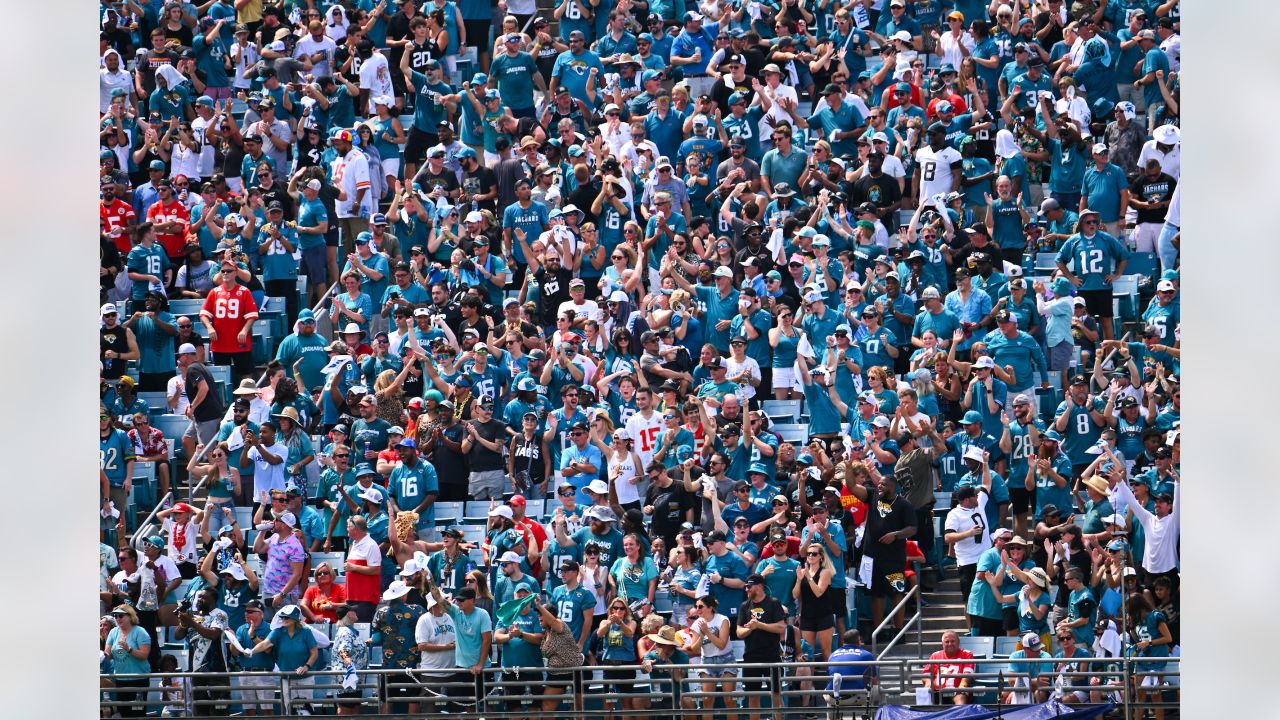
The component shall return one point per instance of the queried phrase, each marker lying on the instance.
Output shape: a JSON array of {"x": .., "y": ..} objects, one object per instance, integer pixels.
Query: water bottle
[{"x": 366, "y": 449}]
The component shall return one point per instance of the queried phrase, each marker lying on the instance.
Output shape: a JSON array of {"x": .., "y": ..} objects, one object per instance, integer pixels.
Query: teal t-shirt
[
  {"x": 1007, "y": 224},
  {"x": 411, "y": 485},
  {"x": 1066, "y": 166},
  {"x": 515, "y": 79},
  {"x": 310, "y": 214},
  {"x": 427, "y": 111}
]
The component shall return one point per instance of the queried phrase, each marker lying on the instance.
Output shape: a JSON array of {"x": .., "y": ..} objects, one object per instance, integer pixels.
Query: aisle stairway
[{"x": 944, "y": 611}]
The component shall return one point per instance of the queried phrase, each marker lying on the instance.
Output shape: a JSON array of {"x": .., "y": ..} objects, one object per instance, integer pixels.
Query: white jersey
[
  {"x": 198, "y": 128},
  {"x": 961, "y": 519},
  {"x": 935, "y": 170},
  {"x": 1172, "y": 47},
  {"x": 644, "y": 434},
  {"x": 308, "y": 47},
  {"x": 245, "y": 57},
  {"x": 351, "y": 173}
]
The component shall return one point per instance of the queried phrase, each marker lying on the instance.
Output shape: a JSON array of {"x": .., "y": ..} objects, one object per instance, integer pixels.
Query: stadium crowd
[{"x": 714, "y": 308}]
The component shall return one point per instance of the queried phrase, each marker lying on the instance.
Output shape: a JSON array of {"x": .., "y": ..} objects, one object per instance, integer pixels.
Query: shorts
[
  {"x": 1061, "y": 355},
  {"x": 241, "y": 362},
  {"x": 315, "y": 264},
  {"x": 1020, "y": 499},
  {"x": 256, "y": 688},
  {"x": 785, "y": 379},
  {"x": 715, "y": 672},
  {"x": 765, "y": 678},
  {"x": 203, "y": 432},
  {"x": 987, "y": 627},
  {"x": 1010, "y": 618},
  {"x": 478, "y": 33},
  {"x": 839, "y": 598},
  {"x": 1098, "y": 302},
  {"x": 565, "y": 679},
  {"x": 417, "y": 145},
  {"x": 486, "y": 484},
  {"x": 387, "y": 692},
  {"x": 391, "y": 167},
  {"x": 619, "y": 681},
  {"x": 885, "y": 584},
  {"x": 817, "y": 621},
  {"x": 331, "y": 237}
]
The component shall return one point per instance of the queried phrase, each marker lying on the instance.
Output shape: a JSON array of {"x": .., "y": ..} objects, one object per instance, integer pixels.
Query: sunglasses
[{"x": 322, "y": 573}]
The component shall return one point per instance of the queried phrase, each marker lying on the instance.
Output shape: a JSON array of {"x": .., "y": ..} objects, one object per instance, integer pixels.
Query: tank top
[
  {"x": 784, "y": 355},
  {"x": 812, "y": 605},
  {"x": 590, "y": 585},
  {"x": 709, "y": 649},
  {"x": 115, "y": 339}
]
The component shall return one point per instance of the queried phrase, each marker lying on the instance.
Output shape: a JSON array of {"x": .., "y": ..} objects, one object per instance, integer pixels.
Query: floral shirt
[
  {"x": 1030, "y": 144},
  {"x": 150, "y": 444},
  {"x": 348, "y": 648},
  {"x": 397, "y": 623},
  {"x": 279, "y": 556}
]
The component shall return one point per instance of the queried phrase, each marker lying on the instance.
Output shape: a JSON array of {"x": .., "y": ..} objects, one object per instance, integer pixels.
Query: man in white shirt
[
  {"x": 1160, "y": 552},
  {"x": 965, "y": 528},
  {"x": 643, "y": 427},
  {"x": 1165, "y": 145},
  {"x": 317, "y": 48},
  {"x": 351, "y": 174},
  {"x": 582, "y": 308},
  {"x": 267, "y": 455},
  {"x": 375, "y": 74}
]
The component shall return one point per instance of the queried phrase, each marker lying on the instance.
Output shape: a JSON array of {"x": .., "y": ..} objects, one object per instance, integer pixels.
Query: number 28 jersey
[{"x": 228, "y": 310}]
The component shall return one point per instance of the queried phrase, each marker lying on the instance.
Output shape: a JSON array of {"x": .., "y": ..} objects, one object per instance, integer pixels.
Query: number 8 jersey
[{"x": 228, "y": 311}]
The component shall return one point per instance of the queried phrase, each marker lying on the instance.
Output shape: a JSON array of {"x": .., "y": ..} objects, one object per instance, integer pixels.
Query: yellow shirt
[{"x": 250, "y": 13}]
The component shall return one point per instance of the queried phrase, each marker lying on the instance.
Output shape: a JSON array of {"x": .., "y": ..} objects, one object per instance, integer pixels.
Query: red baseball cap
[
  {"x": 182, "y": 507},
  {"x": 516, "y": 501}
]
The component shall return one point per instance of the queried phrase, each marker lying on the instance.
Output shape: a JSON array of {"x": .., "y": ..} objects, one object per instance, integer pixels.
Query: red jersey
[
  {"x": 116, "y": 217},
  {"x": 949, "y": 666},
  {"x": 173, "y": 212},
  {"x": 228, "y": 311}
]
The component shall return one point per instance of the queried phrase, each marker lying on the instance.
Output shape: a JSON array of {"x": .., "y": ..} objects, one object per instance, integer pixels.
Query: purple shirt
[{"x": 280, "y": 555}]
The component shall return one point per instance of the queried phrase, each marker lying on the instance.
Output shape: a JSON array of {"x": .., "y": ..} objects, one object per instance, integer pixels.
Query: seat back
[{"x": 981, "y": 647}]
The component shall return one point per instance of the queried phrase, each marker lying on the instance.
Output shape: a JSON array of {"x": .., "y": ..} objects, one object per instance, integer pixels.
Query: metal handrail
[
  {"x": 193, "y": 489},
  {"x": 915, "y": 592},
  {"x": 492, "y": 705}
]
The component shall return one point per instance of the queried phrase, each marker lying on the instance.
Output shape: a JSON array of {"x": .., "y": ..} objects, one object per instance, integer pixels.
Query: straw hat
[
  {"x": 666, "y": 635},
  {"x": 1098, "y": 484}
]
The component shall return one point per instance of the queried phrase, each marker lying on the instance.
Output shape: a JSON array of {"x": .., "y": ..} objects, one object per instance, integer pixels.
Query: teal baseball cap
[
  {"x": 971, "y": 417},
  {"x": 758, "y": 468}
]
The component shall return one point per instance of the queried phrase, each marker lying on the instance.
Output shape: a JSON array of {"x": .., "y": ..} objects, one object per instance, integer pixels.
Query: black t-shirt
[
  {"x": 528, "y": 454},
  {"x": 555, "y": 290},
  {"x": 115, "y": 339},
  {"x": 278, "y": 193},
  {"x": 762, "y": 645},
  {"x": 670, "y": 505},
  {"x": 451, "y": 466},
  {"x": 482, "y": 458},
  {"x": 885, "y": 517},
  {"x": 445, "y": 179},
  {"x": 880, "y": 191},
  {"x": 211, "y": 408},
  {"x": 478, "y": 183},
  {"x": 148, "y": 64},
  {"x": 1158, "y": 190}
]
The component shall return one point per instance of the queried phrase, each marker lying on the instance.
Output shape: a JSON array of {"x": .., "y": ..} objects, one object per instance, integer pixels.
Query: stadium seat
[
  {"x": 1005, "y": 646},
  {"x": 189, "y": 307},
  {"x": 942, "y": 500},
  {"x": 1143, "y": 264},
  {"x": 273, "y": 309},
  {"x": 551, "y": 505},
  {"x": 1046, "y": 263},
  {"x": 157, "y": 402},
  {"x": 476, "y": 512},
  {"x": 1125, "y": 291},
  {"x": 244, "y": 517},
  {"x": 448, "y": 513},
  {"x": 534, "y": 508},
  {"x": 791, "y": 432},
  {"x": 222, "y": 380},
  {"x": 173, "y": 426},
  {"x": 981, "y": 647},
  {"x": 473, "y": 534},
  {"x": 782, "y": 411},
  {"x": 264, "y": 339}
]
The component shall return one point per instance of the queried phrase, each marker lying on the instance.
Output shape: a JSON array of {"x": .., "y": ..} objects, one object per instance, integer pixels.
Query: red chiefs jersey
[
  {"x": 172, "y": 212},
  {"x": 119, "y": 214},
  {"x": 228, "y": 311}
]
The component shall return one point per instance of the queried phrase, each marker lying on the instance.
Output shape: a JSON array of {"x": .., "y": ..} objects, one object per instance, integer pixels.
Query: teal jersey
[
  {"x": 533, "y": 220},
  {"x": 1031, "y": 89},
  {"x": 1066, "y": 166},
  {"x": 331, "y": 484},
  {"x": 372, "y": 288},
  {"x": 310, "y": 214},
  {"x": 171, "y": 103},
  {"x": 570, "y": 606},
  {"x": 514, "y": 76},
  {"x": 610, "y": 543},
  {"x": 746, "y": 128},
  {"x": 986, "y": 50},
  {"x": 1129, "y": 436},
  {"x": 475, "y": 10},
  {"x": 573, "y": 71},
  {"x": 754, "y": 455},
  {"x": 1082, "y": 433},
  {"x": 115, "y": 452},
  {"x": 147, "y": 261},
  {"x": 1022, "y": 352},
  {"x": 982, "y": 602},
  {"x": 208, "y": 243},
  {"x": 428, "y": 110},
  {"x": 728, "y": 565},
  {"x": 573, "y": 19},
  {"x": 1010, "y": 585},
  {"x": 1164, "y": 317},
  {"x": 632, "y": 580},
  {"x": 1100, "y": 190},
  {"x": 948, "y": 466},
  {"x": 1148, "y": 630},
  {"x": 1081, "y": 605},
  {"x": 310, "y": 350},
  {"x": 1154, "y": 60},
  {"x": 449, "y": 572},
  {"x": 233, "y": 457},
  {"x": 209, "y": 58},
  {"x": 678, "y": 225},
  {"x": 610, "y": 228},
  {"x": 682, "y": 446},
  {"x": 873, "y": 349},
  {"x": 829, "y": 121},
  {"x": 1007, "y": 228},
  {"x": 1015, "y": 168},
  {"x": 973, "y": 167},
  {"x": 757, "y": 349},
  {"x": 556, "y": 556},
  {"x": 818, "y": 328},
  {"x": 504, "y": 590},
  {"x": 1093, "y": 258},
  {"x": 1048, "y": 492},
  {"x": 1126, "y": 60},
  {"x": 519, "y": 652},
  {"x": 378, "y": 33},
  {"x": 1021, "y": 451},
  {"x": 410, "y": 486},
  {"x": 717, "y": 307},
  {"x": 342, "y": 109},
  {"x": 823, "y": 418},
  {"x": 279, "y": 263},
  {"x": 155, "y": 346}
]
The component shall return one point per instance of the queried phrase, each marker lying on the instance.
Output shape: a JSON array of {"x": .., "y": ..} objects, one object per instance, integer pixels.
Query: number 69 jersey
[{"x": 228, "y": 311}]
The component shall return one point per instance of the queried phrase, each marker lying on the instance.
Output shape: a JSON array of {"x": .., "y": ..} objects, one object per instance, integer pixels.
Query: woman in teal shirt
[
  {"x": 129, "y": 646},
  {"x": 633, "y": 576},
  {"x": 1032, "y": 601}
]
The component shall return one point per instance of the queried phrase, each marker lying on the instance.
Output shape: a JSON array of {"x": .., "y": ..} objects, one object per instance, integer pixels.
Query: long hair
[{"x": 482, "y": 584}]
